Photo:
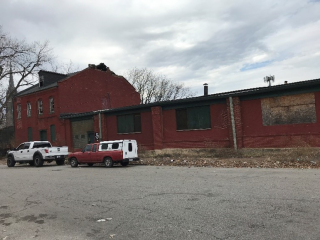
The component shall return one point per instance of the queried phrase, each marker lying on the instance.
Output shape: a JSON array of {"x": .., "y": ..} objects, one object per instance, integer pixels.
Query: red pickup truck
[{"x": 107, "y": 152}]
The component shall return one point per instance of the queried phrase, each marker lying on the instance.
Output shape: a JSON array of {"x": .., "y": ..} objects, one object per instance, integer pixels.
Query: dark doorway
[
  {"x": 90, "y": 137},
  {"x": 43, "y": 135}
]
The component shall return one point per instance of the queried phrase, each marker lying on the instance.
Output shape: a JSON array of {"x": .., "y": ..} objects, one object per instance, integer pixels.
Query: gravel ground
[{"x": 265, "y": 162}]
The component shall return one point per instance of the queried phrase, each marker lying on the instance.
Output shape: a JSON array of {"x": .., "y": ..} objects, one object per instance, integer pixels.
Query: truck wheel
[
  {"x": 31, "y": 163},
  {"x": 108, "y": 162},
  {"x": 38, "y": 161},
  {"x": 124, "y": 164},
  {"x": 60, "y": 162},
  {"x": 90, "y": 164},
  {"x": 10, "y": 161},
  {"x": 73, "y": 162}
]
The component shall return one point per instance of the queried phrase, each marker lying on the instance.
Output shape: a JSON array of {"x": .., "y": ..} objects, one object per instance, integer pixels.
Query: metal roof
[
  {"x": 50, "y": 80},
  {"x": 224, "y": 95}
]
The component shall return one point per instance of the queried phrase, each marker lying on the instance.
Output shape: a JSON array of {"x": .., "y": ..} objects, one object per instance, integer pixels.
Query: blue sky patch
[{"x": 248, "y": 67}]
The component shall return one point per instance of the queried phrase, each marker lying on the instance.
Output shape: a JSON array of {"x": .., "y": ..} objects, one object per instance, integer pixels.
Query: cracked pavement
[{"x": 158, "y": 202}]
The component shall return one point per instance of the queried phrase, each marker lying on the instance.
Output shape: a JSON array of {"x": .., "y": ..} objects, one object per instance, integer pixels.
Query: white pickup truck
[{"x": 35, "y": 153}]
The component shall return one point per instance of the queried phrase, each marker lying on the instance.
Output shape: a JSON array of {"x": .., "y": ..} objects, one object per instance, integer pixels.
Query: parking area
[{"x": 158, "y": 202}]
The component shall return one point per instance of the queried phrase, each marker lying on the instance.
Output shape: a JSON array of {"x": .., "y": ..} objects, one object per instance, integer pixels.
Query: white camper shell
[{"x": 129, "y": 148}]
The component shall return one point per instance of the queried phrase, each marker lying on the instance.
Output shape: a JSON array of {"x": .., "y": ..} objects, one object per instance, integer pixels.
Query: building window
[
  {"x": 51, "y": 105},
  {"x": 43, "y": 135},
  {"x": 41, "y": 81},
  {"x": 53, "y": 133},
  {"x": 40, "y": 108},
  {"x": 193, "y": 118},
  {"x": 28, "y": 109},
  {"x": 30, "y": 134},
  {"x": 130, "y": 123},
  {"x": 18, "y": 111}
]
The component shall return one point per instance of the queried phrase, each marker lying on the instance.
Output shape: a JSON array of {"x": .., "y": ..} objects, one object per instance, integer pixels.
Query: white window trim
[
  {"x": 28, "y": 109},
  {"x": 40, "y": 107},
  {"x": 51, "y": 104}
]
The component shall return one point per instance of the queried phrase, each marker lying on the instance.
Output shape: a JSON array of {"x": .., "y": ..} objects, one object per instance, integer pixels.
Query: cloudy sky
[{"x": 230, "y": 45}]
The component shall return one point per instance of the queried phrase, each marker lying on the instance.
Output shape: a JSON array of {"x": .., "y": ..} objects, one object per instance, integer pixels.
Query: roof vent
[{"x": 205, "y": 89}]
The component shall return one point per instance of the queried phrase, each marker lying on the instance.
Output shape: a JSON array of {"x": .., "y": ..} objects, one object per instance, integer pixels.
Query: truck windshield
[{"x": 87, "y": 148}]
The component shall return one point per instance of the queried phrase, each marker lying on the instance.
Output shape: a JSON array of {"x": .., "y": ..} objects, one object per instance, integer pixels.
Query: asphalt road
[{"x": 146, "y": 202}]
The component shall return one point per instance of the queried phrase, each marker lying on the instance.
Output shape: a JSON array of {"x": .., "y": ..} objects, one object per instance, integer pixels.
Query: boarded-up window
[
  {"x": 29, "y": 134},
  {"x": 193, "y": 118},
  {"x": 53, "y": 133},
  {"x": 292, "y": 109},
  {"x": 43, "y": 135},
  {"x": 129, "y": 123}
]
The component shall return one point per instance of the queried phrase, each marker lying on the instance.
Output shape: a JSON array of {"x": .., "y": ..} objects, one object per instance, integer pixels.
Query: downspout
[
  {"x": 100, "y": 129},
  {"x": 233, "y": 124}
]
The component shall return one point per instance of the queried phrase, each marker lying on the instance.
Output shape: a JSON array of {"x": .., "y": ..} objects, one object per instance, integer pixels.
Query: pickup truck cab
[
  {"x": 107, "y": 152},
  {"x": 35, "y": 153}
]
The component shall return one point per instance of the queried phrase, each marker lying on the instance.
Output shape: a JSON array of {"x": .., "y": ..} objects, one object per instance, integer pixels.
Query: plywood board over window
[{"x": 292, "y": 109}]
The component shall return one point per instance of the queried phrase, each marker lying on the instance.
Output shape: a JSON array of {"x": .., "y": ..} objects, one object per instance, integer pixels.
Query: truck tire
[
  {"x": 31, "y": 163},
  {"x": 60, "y": 162},
  {"x": 74, "y": 162},
  {"x": 10, "y": 161},
  {"x": 38, "y": 161},
  {"x": 108, "y": 162},
  {"x": 124, "y": 164}
]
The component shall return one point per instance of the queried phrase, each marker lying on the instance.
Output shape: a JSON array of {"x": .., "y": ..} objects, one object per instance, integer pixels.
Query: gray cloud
[{"x": 190, "y": 41}]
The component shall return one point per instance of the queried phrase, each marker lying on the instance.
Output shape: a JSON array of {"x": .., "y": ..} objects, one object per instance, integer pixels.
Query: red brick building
[
  {"x": 94, "y": 105},
  {"x": 268, "y": 117},
  {"x": 37, "y": 109}
]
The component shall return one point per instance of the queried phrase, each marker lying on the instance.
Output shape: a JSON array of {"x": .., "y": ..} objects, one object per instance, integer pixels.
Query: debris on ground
[
  {"x": 266, "y": 162},
  {"x": 104, "y": 219}
]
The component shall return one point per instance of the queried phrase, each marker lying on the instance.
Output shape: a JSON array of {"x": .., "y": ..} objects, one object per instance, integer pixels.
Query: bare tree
[
  {"x": 21, "y": 59},
  {"x": 64, "y": 68},
  {"x": 156, "y": 87}
]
